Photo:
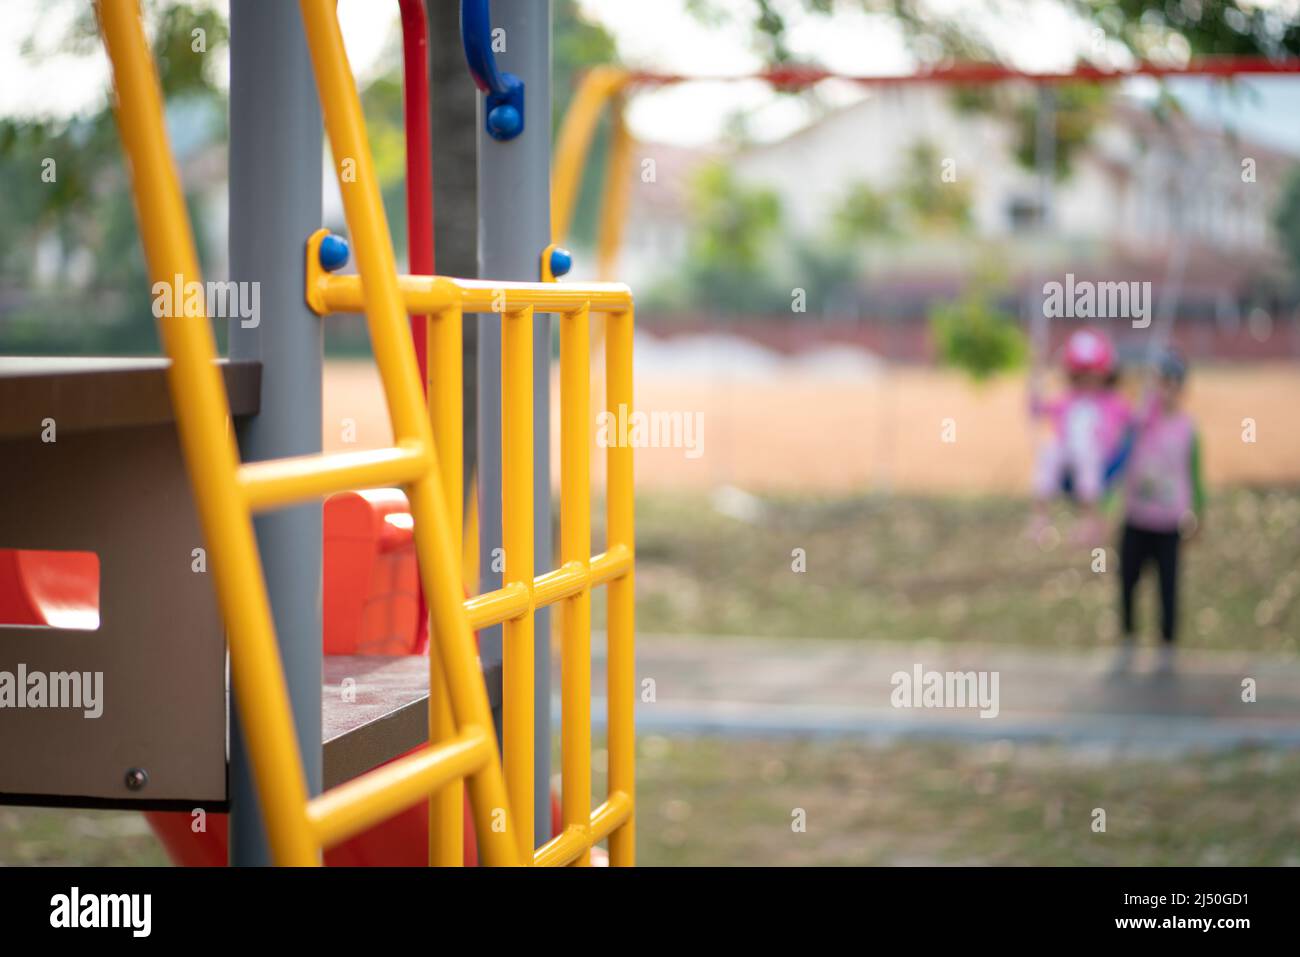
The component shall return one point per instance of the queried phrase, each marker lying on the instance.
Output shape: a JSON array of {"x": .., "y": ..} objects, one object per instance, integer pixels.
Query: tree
[
  {"x": 865, "y": 213},
  {"x": 937, "y": 203},
  {"x": 735, "y": 220},
  {"x": 87, "y": 204},
  {"x": 974, "y": 334},
  {"x": 732, "y": 232},
  {"x": 938, "y": 32}
]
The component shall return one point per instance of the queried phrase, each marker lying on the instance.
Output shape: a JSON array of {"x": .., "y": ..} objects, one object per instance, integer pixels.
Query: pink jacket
[
  {"x": 1095, "y": 418},
  {"x": 1163, "y": 473}
]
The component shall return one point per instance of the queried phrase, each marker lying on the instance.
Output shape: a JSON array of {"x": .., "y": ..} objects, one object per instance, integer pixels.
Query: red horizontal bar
[{"x": 799, "y": 77}]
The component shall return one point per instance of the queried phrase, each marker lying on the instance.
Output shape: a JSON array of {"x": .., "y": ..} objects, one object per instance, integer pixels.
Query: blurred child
[
  {"x": 1163, "y": 503},
  {"x": 1088, "y": 422}
]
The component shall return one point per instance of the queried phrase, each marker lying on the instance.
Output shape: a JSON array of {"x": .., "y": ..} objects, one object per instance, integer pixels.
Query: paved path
[{"x": 778, "y": 687}]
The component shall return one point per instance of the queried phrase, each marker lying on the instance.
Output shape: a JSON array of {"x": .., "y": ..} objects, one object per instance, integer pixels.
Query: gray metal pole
[
  {"x": 514, "y": 211},
  {"x": 275, "y": 204},
  {"x": 1045, "y": 168},
  {"x": 1045, "y": 154}
]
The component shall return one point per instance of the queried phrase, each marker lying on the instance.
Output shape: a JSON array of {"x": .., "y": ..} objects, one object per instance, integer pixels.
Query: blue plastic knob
[
  {"x": 504, "y": 122},
  {"x": 561, "y": 261},
  {"x": 333, "y": 253}
]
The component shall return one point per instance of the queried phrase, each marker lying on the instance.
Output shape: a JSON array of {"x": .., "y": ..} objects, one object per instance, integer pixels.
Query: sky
[{"x": 661, "y": 35}]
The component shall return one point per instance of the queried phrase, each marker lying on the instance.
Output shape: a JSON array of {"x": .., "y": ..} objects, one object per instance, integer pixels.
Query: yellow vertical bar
[
  {"x": 574, "y": 141},
  {"x": 621, "y": 692},
  {"x": 575, "y": 546},
  {"x": 517, "y": 667},
  {"x": 444, "y": 384},
  {"x": 390, "y": 339},
  {"x": 440, "y": 575},
  {"x": 617, "y": 188},
  {"x": 199, "y": 399},
  {"x": 443, "y": 334},
  {"x": 446, "y": 806},
  {"x": 469, "y": 547}
]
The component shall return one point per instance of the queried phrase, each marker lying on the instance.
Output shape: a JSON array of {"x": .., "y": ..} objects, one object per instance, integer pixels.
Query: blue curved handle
[{"x": 504, "y": 110}]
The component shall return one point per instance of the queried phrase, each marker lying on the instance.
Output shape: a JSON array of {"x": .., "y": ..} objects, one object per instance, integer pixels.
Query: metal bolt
[{"x": 136, "y": 779}]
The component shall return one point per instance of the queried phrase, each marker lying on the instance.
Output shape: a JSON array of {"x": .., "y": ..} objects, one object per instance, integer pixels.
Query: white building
[{"x": 1129, "y": 190}]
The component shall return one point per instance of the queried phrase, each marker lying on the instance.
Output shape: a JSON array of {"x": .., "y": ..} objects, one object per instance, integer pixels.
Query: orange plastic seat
[
  {"x": 371, "y": 581},
  {"x": 56, "y": 589}
]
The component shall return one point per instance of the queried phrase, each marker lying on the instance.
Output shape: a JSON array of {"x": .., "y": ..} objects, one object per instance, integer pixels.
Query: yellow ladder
[{"x": 462, "y": 743}]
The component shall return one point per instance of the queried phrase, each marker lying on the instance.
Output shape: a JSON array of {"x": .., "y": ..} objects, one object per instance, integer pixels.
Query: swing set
[{"x": 607, "y": 90}]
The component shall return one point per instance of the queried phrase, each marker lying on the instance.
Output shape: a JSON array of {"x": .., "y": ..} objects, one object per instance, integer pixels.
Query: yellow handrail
[
  {"x": 462, "y": 740},
  {"x": 570, "y": 585}
]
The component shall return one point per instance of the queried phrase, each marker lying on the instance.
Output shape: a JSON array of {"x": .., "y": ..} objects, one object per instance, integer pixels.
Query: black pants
[{"x": 1137, "y": 547}]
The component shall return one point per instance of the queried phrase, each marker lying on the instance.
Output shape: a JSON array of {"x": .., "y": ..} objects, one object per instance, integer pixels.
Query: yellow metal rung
[
  {"x": 431, "y": 295},
  {"x": 497, "y": 606},
  {"x": 574, "y": 841},
  {"x": 279, "y": 482},
  {"x": 350, "y": 808}
]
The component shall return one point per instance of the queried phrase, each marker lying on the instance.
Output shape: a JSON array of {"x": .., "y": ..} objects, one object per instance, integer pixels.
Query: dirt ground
[{"x": 804, "y": 430}]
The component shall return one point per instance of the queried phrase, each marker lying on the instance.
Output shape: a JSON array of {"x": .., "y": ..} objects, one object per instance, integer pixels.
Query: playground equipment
[
  {"x": 607, "y": 89},
  {"x": 425, "y": 463}
]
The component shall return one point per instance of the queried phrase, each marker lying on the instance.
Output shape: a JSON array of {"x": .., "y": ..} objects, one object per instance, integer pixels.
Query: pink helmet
[{"x": 1089, "y": 351}]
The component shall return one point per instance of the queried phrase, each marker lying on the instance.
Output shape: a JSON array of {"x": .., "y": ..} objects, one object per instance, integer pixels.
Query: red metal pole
[
  {"x": 419, "y": 190},
  {"x": 419, "y": 154},
  {"x": 419, "y": 232}
]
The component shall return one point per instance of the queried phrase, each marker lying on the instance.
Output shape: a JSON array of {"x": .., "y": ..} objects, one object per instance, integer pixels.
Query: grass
[
  {"x": 711, "y": 801},
  {"x": 952, "y": 569},
  {"x": 33, "y": 835},
  {"x": 902, "y": 567}
]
